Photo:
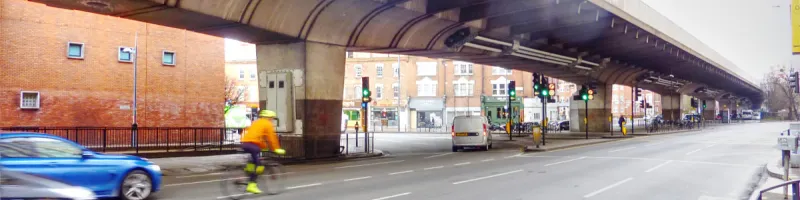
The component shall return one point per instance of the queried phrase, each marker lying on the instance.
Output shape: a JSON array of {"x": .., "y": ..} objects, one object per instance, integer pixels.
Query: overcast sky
[{"x": 753, "y": 34}]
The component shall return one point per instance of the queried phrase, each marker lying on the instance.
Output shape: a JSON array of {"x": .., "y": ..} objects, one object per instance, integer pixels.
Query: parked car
[
  {"x": 124, "y": 176},
  {"x": 564, "y": 125},
  {"x": 471, "y": 131},
  {"x": 17, "y": 185}
]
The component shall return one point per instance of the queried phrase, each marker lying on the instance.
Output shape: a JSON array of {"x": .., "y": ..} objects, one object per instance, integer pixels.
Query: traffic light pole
[
  {"x": 365, "y": 122},
  {"x": 509, "y": 117},
  {"x": 544, "y": 119},
  {"x": 633, "y": 108},
  {"x": 586, "y": 119}
]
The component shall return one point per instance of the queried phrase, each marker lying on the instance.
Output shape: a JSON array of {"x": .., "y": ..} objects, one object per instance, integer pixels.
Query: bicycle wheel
[
  {"x": 274, "y": 178},
  {"x": 235, "y": 180}
]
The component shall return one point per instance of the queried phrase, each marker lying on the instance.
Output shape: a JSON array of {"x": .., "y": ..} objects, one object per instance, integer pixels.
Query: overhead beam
[{"x": 540, "y": 13}]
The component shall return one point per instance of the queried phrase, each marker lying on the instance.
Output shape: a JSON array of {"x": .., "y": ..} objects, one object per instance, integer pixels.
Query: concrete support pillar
[
  {"x": 671, "y": 106},
  {"x": 318, "y": 80},
  {"x": 599, "y": 111},
  {"x": 709, "y": 112}
]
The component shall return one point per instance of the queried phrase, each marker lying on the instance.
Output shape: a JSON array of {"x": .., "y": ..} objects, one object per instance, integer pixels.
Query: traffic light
[
  {"x": 590, "y": 92},
  {"x": 584, "y": 93},
  {"x": 365, "y": 93},
  {"x": 551, "y": 89},
  {"x": 793, "y": 82},
  {"x": 545, "y": 91},
  {"x": 638, "y": 94},
  {"x": 536, "y": 82},
  {"x": 694, "y": 103},
  {"x": 512, "y": 90},
  {"x": 704, "y": 104}
]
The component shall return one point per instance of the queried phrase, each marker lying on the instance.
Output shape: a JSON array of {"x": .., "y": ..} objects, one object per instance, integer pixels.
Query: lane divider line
[
  {"x": 370, "y": 164},
  {"x": 623, "y": 149},
  {"x": 485, "y": 177},
  {"x": 658, "y": 166},
  {"x": 430, "y": 168},
  {"x": 566, "y": 161},
  {"x": 393, "y": 196},
  {"x": 434, "y": 156},
  {"x": 487, "y": 160},
  {"x": 463, "y": 163},
  {"x": 359, "y": 178},
  {"x": 403, "y": 172},
  {"x": 607, "y": 187},
  {"x": 303, "y": 186}
]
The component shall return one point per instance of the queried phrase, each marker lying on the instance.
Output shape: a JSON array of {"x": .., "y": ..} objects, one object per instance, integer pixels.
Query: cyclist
[{"x": 261, "y": 132}]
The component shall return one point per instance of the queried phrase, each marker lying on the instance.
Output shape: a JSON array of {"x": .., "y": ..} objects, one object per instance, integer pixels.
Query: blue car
[{"x": 124, "y": 176}]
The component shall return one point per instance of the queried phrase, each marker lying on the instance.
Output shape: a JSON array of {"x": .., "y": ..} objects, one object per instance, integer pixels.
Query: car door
[
  {"x": 19, "y": 154},
  {"x": 95, "y": 174}
]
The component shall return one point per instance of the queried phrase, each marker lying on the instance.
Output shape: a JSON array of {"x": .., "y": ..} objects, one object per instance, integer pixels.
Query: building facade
[
  {"x": 70, "y": 68},
  {"x": 417, "y": 93}
]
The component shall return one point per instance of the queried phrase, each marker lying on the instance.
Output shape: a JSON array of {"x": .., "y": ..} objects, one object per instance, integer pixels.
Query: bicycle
[{"x": 271, "y": 181}]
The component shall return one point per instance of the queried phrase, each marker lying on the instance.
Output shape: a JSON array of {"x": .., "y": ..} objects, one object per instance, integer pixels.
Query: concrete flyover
[{"x": 601, "y": 42}]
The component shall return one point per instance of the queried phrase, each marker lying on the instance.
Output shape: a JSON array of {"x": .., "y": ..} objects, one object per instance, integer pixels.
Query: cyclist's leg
[{"x": 254, "y": 164}]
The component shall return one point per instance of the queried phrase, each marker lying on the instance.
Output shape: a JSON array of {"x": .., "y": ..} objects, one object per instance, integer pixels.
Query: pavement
[{"x": 720, "y": 163}]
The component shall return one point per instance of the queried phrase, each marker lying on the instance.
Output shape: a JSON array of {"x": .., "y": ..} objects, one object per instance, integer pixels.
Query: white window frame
[
  {"x": 500, "y": 71},
  {"x": 359, "y": 70},
  {"x": 379, "y": 91},
  {"x": 174, "y": 58},
  {"x": 463, "y": 87},
  {"x": 396, "y": 69},
  {"x": 396, "y": 90},
  {"x": 496, "y": 89},
  {"x": 463, "y": 68},
  {"x": 21, "y": 99},
  {"x": 241, "y": 74},
  {"x": 119, "y": 54},
  {"x": 427, "y": 66},
  {"x": 427, "y": 87},
  {"x": 254, "y": 75},
  {"x": 358, "y": 94},
  {"x": 83, "y": 50},
  {"x": 379, "y": 70}
]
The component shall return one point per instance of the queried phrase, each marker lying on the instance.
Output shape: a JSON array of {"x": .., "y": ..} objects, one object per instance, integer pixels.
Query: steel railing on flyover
[{"x": 795, "y": 186}]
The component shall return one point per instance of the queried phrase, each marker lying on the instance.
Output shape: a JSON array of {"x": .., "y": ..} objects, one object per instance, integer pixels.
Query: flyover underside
[{"x": 577, "y": 29}]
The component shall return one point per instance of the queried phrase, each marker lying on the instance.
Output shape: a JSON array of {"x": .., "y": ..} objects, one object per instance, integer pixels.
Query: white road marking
[
  {"x": 430, "y": 168},
  {"x": 657, "y": 166},
  {"x": 607, "y": 188},
  {"x": 198, "y": 182},
  {"x": 370, "y": 164},
  {"x": 393, "y": 196},
  {"x": 519, "y": 154},
  {"x": 235, "y": 195},
  {"x": 303, "y": 186},
  {"x": 709, "y": 146},
  {"x": 555, "y": 163},
  {"x": 696, "y": 150},
  {"x": 623, "y": 149},
  {"x": 487, "y": 160},
  {"x": 359, "y": 178},
  {"x": 485, "y": 177},
  {"x": 403, "y": 172},
  {"x": 209, "y": 174},
  {"x": 463, "y": 163},
  {"x": 434, "y": 156}
]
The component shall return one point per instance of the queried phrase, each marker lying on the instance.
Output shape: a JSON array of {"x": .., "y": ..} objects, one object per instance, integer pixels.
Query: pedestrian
[{"x": 621, "y": 122}]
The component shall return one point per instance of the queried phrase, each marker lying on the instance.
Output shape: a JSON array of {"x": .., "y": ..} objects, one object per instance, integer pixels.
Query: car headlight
[{"x": 155, "y": 168}]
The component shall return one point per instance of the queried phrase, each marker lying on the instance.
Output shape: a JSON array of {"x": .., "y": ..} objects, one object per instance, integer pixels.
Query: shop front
[
  {"x": 426, "y": 113},
  {"x": 497, "y": 111}
]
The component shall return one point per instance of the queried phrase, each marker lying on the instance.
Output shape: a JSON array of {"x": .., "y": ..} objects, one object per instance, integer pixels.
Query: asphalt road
[{"x": 711, "y": 164}]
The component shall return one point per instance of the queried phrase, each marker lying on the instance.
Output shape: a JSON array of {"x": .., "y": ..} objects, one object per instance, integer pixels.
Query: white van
[
  {"x": 747, "y": 114},
  {"x": 471, "y": 131}
]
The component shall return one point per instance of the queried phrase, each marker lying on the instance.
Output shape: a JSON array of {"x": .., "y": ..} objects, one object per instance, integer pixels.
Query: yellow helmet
[{"x": 267, "y": 113}]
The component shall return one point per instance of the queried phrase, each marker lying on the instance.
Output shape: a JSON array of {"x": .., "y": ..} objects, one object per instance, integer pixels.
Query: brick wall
[{"x": 94, "y": 91}]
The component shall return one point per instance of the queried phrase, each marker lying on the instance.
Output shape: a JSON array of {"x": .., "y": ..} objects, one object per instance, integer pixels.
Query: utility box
[{"x": 276, "y": 93}]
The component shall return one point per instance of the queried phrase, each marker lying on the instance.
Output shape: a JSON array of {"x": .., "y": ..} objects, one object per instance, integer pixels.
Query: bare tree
[
  {"x": 234, "y": 93},
  {"x": 777, "y": 92}
]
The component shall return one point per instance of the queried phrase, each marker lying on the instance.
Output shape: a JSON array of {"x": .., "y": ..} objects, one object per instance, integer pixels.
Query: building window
[
  {"x": 241, "y": 74},
  {"x": 29, "y": 100},
  {"x": 168, "y": 58},
  {"x": 125, "y": 54},
  {"x": 379, "y": 69},
  {"x": 358, "y": 70},
  {"x": 500, "y": 71},
  {"x": 426, "y": 89},
  {"x": 379, "y": 91},
  {"x": 75, "y": 50},
  {"x": 499, "y": 89},
  {"x": 396, "y": 69},
  {"x": 253, "y": 75},
  {"x": 464, "y": 89},
  {"x": 426, "y": 68},
  {"x": 462, "y": 68},
  {"x": 349, "y": 54},
  {"x": 396, "y": 90},
  {"x": 358, "y": 93}
]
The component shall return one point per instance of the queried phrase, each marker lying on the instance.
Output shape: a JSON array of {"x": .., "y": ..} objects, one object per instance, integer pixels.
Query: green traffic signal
[
  {"x": 513, "y": 93},
  {"x": 585, "y": 97},
  {"x": 365, "y": 92},
  {"x": 545, "y": 93}
]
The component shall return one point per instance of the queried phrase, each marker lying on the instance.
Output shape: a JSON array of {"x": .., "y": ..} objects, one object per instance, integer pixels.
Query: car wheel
[
  {"x": 486, "y": 148},
  {"x": 455, "y": 149},
  {"x": 490, "y": 145},
  {"x": 135, "y": 186}
]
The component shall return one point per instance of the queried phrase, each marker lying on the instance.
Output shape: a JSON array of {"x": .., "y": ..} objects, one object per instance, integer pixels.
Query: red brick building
[{"x": 66, "y": 68}]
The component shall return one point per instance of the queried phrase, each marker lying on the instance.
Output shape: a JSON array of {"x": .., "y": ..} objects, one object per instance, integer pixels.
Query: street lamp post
[{"x": 134, "y": 54}]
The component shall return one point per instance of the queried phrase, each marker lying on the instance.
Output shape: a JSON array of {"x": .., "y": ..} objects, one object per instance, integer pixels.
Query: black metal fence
[{"x": 192, "y": 140}]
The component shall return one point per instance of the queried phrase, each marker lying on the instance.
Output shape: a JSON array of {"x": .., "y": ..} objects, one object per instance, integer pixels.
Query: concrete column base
[
  {"x": 318, "y": 74},
  {"x": 598, "y": 112}
]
